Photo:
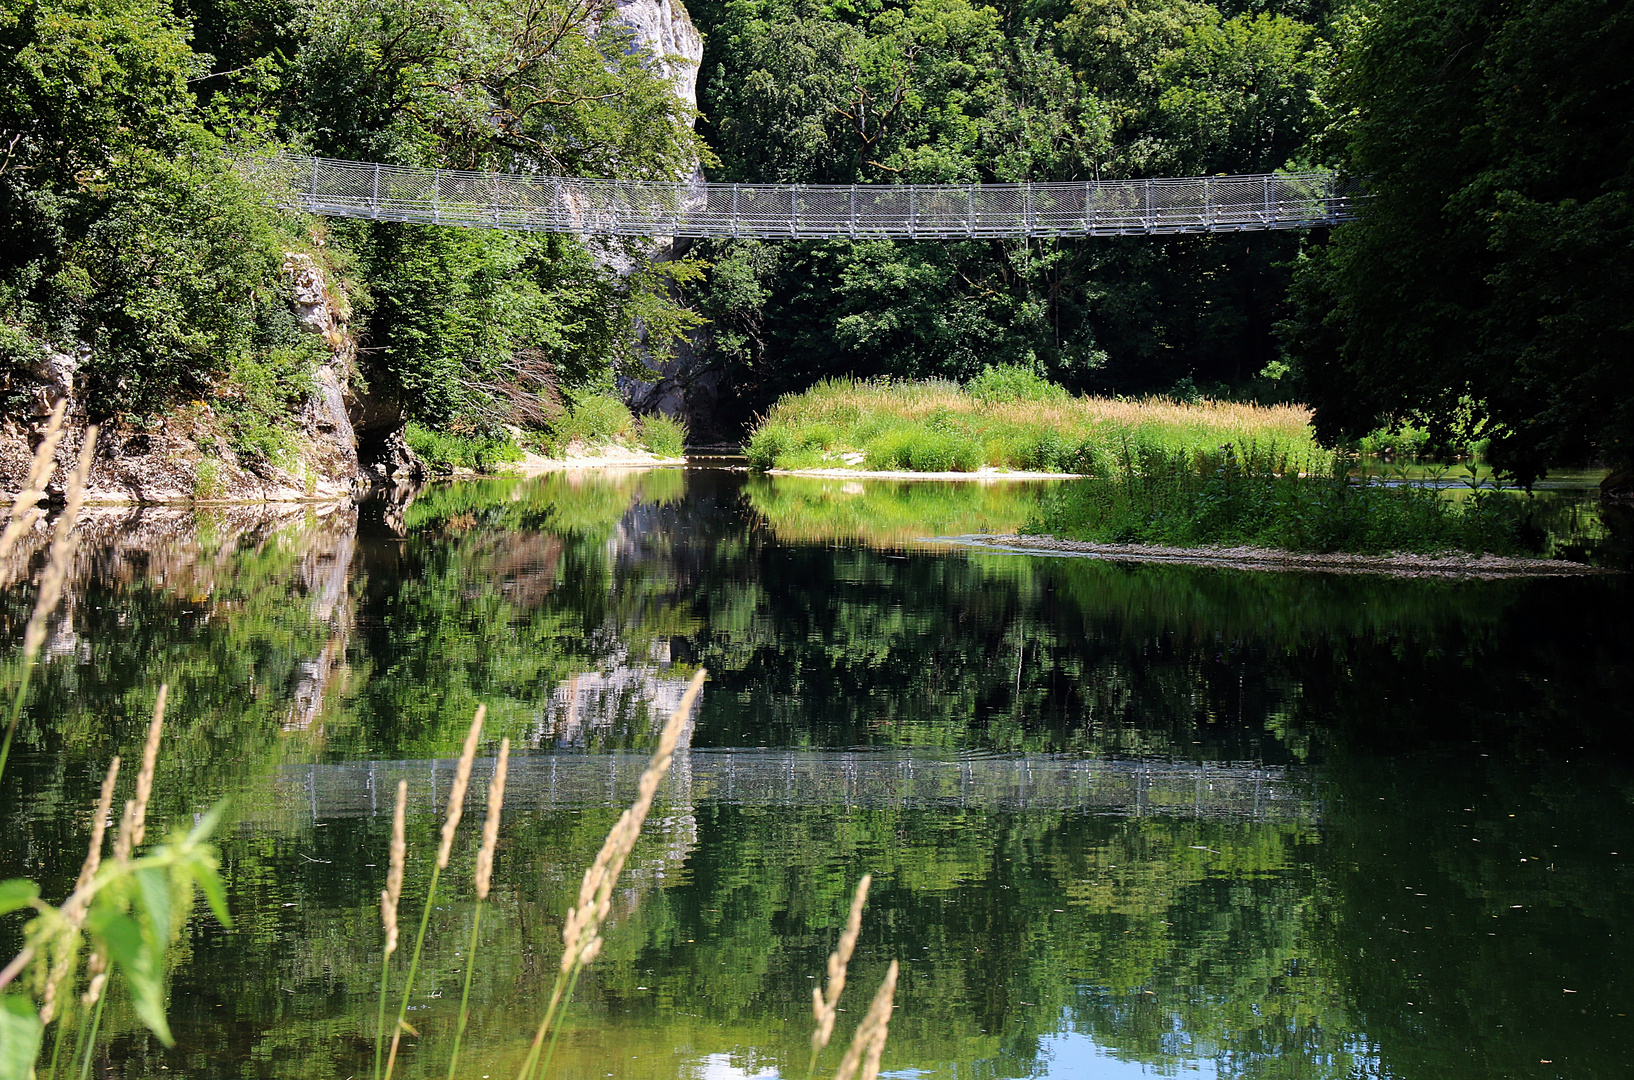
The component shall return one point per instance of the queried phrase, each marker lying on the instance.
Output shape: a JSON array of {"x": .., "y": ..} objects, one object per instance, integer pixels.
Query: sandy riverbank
[{"x": 601, "y": 457}]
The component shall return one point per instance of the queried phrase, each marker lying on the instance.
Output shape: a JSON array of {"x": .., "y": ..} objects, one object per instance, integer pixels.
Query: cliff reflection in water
[{"x": 1120, "y": 817}]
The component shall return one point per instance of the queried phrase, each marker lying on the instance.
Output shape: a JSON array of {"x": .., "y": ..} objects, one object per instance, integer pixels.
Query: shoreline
[
  {"x": 986, "y": 474},
  {"x": 1455, "y": 566},
  {"x": 608, "y": 457}
]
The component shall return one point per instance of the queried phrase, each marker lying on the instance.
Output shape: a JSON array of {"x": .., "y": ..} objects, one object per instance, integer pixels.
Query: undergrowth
[
  {"x": 1005, "y": 418},
  {"x": 1263, "y": 495},
  {"x": 445, "y": 451}
]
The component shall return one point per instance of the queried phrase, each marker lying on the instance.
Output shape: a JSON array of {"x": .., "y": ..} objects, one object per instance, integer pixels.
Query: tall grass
[
  {"x": 124, "y": 912},
  {"x": 64, "y": 541},
  {"x": 1006, "y": 418},
  {"x": 445, "y": 451},
  {"x": 451, "y": 824},
  {"x": 664, "y": 436},
  {"x": 581, "y": 930},
  {"x": 1268, "y": 496}
]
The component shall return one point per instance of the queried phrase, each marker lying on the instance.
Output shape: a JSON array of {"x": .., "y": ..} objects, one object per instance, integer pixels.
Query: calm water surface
[{"x": 1123, "y": 820}]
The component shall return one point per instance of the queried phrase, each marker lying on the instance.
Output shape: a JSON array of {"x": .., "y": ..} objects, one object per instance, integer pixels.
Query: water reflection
[{"x": 1122, "y": 819}]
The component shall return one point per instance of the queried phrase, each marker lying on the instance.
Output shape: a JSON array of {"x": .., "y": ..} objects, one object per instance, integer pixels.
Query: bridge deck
[{"x": 590, "y": 207}]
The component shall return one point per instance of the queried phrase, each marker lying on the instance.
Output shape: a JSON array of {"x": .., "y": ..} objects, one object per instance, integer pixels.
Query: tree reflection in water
[{"x": 1429, "y": 737}]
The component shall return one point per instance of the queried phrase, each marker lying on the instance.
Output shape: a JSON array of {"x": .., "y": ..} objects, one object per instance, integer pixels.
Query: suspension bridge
[{"x": 591, "y": 207}]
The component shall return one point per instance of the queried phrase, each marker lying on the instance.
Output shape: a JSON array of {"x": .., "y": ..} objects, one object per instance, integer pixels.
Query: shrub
[
  {"x": 445, "y": 451},
  {"x": 819, "y": 437},
  {"x": 207, "y": 479},
  {"x": 943, "y": 452},
  {"x": 892, "y": 450},
  {"x": 1012, "y": 382},
  {"x": 769, "y": 442},
  {"x": 665, "y": 436},
  {"x": 595, "y": 419}
]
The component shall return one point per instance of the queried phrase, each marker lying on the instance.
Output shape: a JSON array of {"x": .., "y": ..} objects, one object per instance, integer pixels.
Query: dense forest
[{"x": 1489, "y": 284}]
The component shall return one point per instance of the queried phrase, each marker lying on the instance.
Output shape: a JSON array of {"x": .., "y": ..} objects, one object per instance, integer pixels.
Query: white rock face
[{"x": 666, "y": 30}]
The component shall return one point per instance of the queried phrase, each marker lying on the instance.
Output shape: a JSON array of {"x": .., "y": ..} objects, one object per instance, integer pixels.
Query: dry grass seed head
[
  {"x": 394, "y": 875},
  {"x": 824, "y": 1006},
  {"x": 24, "y": 511},
  {"x": 490, "y": 824},
  {"x": 133, "y": 827},
  {"x": 583, "y": 922},
  {"x": 99, "y": 827},
  {"x": 456, "y": 794},
  {"x": 870, "y": 1037},
  {"x": 63, "y": 542}
]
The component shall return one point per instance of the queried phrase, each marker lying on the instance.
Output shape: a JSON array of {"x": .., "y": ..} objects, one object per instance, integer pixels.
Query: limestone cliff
[{"x": 665, "y": 29}]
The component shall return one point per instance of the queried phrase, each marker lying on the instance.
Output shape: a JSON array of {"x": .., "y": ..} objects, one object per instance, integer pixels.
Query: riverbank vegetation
[
  {"x": 1006, "y": 417},
  {"x": 595, "y": 423},
  {"x": 1483, "y": 294},
  {"x": 1265, "y": 496}
]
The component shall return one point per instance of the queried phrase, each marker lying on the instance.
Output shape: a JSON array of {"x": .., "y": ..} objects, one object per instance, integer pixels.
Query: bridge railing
[{"x": 792, "y": 211}]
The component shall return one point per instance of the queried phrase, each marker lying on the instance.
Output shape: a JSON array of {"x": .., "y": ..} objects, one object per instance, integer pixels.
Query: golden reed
[
  {"x": 451, "y": 822},
  {"x": 482, "y": 878},
  {"x": 581, "y": 931},
  {"x": 63, "y": 543},
  {"x": 824, "y": 1006},
  {"x": 25, "y": 510}
]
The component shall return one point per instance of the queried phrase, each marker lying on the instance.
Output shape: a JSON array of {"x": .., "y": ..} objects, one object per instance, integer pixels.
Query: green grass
[
  {"x": 1005, "y": 418},
  {"x": 664, "y": 436},
  {"x": 1262, "y": 495},
  {"x": 444, "y": 451}
]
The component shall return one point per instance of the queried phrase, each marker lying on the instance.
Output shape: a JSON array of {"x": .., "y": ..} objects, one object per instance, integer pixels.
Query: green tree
[
  {"x": 122, "y": 226},
  {"x": 1489, "y": 279}
]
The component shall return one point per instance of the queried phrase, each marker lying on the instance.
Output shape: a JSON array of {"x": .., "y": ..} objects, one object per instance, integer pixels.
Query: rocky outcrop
[
  {"x": 345, "y": 441},
  {"x": 686, "y": 387},
  {"x": 665, "y": 29}
]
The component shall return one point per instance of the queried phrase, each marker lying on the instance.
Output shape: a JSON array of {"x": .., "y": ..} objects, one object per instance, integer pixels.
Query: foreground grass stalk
[
  {"x": 868, "y": 1044},
  {"x": 824, "y": 1006},
  {"x": 388, "y": 913},
  {"x": 87, "y": 871},
  {"x": 581, "y": 931},
  {"x": 451, "y": 822},
  {"x": 90, "y": 1041},
  {"x": 25, "y": 509},
  {"x": 483, "y": 877},
  {"x": 63, "y": 542}
]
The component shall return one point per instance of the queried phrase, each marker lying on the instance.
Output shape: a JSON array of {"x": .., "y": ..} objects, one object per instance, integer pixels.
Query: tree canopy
[{"x": 1491, "y": 278}]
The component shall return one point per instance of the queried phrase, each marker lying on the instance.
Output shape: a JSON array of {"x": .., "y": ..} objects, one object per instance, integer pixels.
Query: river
[{"x": 1123, "y": 820}]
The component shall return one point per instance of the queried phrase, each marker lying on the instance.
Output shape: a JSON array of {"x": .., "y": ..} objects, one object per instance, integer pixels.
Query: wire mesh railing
[{"x": 591, "y": 207}]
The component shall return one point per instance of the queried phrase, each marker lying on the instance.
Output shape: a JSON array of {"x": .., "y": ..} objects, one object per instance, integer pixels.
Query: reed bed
[{"x": 1006, "y": 419}]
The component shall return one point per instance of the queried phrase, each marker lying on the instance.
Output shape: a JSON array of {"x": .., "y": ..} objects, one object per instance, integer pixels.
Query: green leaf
[
  {"x": 156, "y": 902},
  {"x": 207, "y": 824},
  {"x": 120, "y": 934},
  {"x": 147, "y": 974},
  {"x": 17, "y": 893},
  {"x": 209, "y": 882},
  {"x": 19, "y": 1037}
]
